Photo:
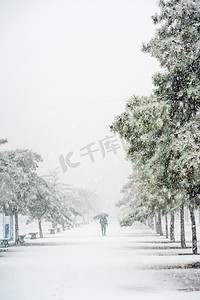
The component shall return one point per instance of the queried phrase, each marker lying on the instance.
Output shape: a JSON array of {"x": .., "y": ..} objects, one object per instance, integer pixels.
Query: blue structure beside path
[{"x": 6, "y": 226}]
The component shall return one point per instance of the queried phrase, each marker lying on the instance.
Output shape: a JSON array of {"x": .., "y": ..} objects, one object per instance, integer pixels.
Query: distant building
[{"x": 6, "y": 226}]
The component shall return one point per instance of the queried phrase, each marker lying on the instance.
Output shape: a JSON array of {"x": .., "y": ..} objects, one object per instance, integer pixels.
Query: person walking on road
[{"x": 104, "y": 223}]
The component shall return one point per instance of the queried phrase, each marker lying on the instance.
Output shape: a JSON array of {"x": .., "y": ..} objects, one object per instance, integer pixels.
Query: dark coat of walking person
[{"x": 104, "y": 223}]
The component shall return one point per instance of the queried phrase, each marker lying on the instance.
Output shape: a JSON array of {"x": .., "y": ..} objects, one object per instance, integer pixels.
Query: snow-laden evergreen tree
[
  {"x": 83, "y": 201},
  {"x": 162, "y": 130},
  {"x": 2, "y": 141},
  {"x": 40, "y": 201},
  {"x": 143, "y": 124},
  {"x": 15, "y": 181},
  {"x": 176, "y": 45},
  {"x": 61, "y": 212}
]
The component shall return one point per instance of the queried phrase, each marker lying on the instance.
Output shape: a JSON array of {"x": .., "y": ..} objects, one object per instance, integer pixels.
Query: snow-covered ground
[{"x": 80, "y": 264}]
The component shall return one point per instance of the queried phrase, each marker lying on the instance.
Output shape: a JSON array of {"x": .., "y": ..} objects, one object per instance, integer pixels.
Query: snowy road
[{"x": 81, "y": 264}]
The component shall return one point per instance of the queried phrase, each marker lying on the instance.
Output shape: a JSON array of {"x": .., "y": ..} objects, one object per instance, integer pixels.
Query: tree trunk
[
  {"x": 172, "y": 236},
  {"x": 152, "y": 223},
  {"x": 54, "y": 225},
  {"x": 40, "y": 228},
  {"x": 156, "y": 224},
  {"x": 160, "y": 224},
  {"x": 199, "y": 215},
  {"x": 16, "y": 227},
  {"x": 182, "y": 226},
  {"x": 186, "y": 215},
  {"x": 166, "y": 227},
  {"x": 194, "y": 234}
]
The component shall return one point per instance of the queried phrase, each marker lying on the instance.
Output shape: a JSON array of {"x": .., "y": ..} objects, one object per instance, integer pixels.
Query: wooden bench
[
  {"x": 20, "y": 240},
  {"x": 33, "y": 235},
  {"x": 52, "y": 230},
  {"x": 4, "y": 242}
]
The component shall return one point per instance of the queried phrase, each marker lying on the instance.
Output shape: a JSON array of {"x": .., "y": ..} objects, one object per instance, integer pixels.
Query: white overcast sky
[{"x": 67, "y": 68}]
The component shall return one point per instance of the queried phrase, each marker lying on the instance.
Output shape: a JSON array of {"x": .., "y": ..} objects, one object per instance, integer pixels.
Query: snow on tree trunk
[
  {"x": 16, "y": 226},
  {"x": 172, "y": 236},
  {"x": 194, "y": 234},
  {"x": 40, "y": 228},
  {"x": 166, "y": 227},
  {"x": 160, "y": 224},
  {"x": 182, "y": 226}
]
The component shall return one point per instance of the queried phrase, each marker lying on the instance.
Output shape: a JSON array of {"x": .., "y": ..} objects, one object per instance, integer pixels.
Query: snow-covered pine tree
[
  {"x": 176, "y": 46},
  {"x": 15, "y": 181}
]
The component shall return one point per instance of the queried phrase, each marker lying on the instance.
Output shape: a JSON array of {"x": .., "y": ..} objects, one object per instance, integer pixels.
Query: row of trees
[
  {"x": 23, "y": 191},
  {"x": 162, "y": 130}
]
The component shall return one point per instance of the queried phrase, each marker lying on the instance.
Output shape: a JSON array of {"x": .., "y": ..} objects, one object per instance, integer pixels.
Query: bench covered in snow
[
  {"x": 4, "y": 242},
  {"x": 20, "y": 240},
  {"x": 33, "y": 235}
]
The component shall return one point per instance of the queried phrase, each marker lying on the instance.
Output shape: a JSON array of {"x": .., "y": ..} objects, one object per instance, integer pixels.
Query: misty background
[{"x": 67, "y": 69}]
